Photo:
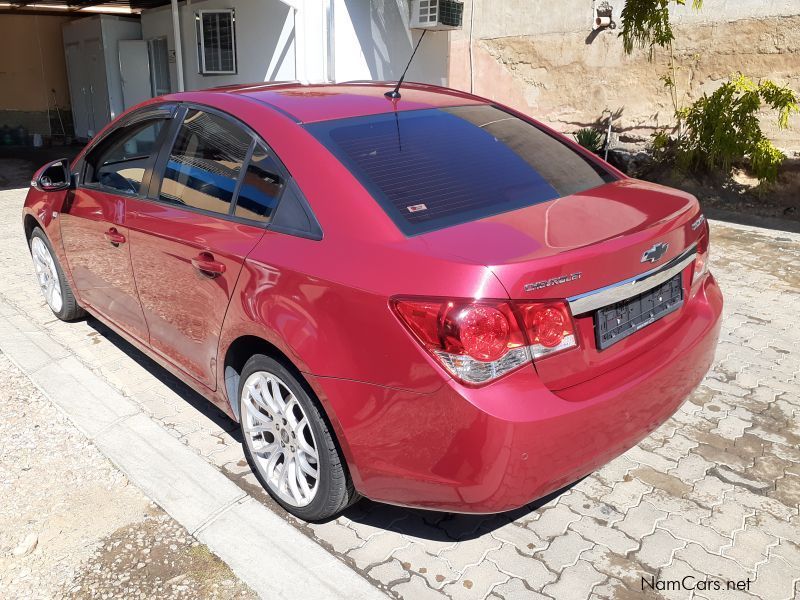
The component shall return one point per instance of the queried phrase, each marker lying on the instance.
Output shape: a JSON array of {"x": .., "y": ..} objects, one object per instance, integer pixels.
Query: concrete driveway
[{"x": 709, "y": 498}]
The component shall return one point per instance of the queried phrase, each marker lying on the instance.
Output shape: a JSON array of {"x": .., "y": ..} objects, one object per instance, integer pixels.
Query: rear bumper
[{"x": 502, "y": 446}]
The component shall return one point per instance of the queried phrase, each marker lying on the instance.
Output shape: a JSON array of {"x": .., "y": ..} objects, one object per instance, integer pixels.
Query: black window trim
[{"x": 168, "y": 143}]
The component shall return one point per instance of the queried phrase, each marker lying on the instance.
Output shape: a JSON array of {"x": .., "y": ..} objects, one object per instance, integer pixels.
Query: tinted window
[
  {"x": 438, "y": 167},
  {"x": 205, "y": 162},
  {"x": 261, "y": 187},
  {"x": 120, "y": 161}
]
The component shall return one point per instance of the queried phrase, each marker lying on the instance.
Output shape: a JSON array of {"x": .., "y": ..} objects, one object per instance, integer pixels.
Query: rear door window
[
  {"x": 205, "y": 163},
  {"x": 261, "y": 187},
  {"x": 435, "y": 168}
]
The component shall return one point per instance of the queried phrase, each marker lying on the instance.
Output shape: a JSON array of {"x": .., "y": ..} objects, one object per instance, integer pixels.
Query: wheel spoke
[
  {"x": 303, "y": 483},
  {"x": 283, "y": 482},
  {"x": 308, "y": 449},
  {"x": 305, "y": 466},
  {"x": 273, "y": 462},
  {"x": 288, "y": 411},
  {"x": 292, "y": 482},
  {"x": 254, "y": 413}
]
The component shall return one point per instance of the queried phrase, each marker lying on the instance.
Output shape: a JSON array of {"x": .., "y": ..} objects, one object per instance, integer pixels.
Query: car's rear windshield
[{"x": 434, "y": 168}]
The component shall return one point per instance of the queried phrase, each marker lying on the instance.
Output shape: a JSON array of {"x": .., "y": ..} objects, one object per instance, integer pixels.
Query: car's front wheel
[
  {"x": 54, "y": 285},
  {"x": 289, "y": 444}
]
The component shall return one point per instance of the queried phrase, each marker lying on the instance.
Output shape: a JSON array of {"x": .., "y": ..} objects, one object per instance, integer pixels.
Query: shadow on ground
[{"x": 430, "y": 525}]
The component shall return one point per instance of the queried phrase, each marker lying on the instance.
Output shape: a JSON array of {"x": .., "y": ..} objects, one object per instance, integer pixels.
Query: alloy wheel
[
  {"x": 278, "y": 434},
  {"x": 47, "y": 274}
]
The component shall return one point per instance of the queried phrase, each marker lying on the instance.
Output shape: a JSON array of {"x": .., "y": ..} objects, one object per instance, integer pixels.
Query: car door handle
[
  {"x": 114, "y": 236},
  {"x": 205, "y": 263}
]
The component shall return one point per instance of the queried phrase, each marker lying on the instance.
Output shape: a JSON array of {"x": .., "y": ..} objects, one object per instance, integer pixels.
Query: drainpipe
[{"x": 176, "y": 32}]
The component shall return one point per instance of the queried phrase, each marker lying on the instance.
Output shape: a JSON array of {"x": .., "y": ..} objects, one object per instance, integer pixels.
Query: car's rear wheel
[
  {"x": 54, "y": 285},
  {"x": 289, "y": 444}
]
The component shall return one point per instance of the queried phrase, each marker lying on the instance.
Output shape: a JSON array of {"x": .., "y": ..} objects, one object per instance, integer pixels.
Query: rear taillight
[
  {"x": 548, "y": 326},
  {"x": 701, "y": 260},
  {"x": 478, "y": 341}
]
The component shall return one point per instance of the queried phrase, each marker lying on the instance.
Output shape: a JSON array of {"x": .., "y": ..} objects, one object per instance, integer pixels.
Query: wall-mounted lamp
[{"x": 603, "y": 17}]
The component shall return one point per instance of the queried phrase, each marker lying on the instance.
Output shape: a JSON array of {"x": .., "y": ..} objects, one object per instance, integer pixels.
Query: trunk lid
[{"x": 578, "y": 244}]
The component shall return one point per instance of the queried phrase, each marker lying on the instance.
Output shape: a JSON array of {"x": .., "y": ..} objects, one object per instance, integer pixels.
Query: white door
[
  {"x": 134, "y": 68},
  {"x": 100, "y": 114},
  {"x": 78, "y": 90}
]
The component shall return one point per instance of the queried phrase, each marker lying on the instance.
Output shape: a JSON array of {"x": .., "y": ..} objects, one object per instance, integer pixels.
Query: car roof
[{"x": 308, "y": 103}]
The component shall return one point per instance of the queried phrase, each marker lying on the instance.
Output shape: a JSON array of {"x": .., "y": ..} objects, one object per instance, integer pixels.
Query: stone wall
[{"x": 542, "y": 58}]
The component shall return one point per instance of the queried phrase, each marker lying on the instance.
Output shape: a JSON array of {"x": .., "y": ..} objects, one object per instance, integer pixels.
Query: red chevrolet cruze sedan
[{"x": 431, "y": 301}]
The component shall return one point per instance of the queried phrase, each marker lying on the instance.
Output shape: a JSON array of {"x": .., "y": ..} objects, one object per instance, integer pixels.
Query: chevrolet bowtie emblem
[{"x": 655, "y": 253}]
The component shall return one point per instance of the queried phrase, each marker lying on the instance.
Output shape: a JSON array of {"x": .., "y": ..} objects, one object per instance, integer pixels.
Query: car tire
[
  {"x": 52, "y": 281},
  {"x": 289, "y": 444}
]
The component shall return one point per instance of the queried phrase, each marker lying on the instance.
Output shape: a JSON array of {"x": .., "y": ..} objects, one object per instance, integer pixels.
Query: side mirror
[{"x": 53, "y": 177}]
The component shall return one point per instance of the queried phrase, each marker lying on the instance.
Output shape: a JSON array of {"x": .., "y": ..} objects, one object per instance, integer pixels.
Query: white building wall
[
  {"x": 265, "y": 42},
  {"x": 370, "y": 41}
]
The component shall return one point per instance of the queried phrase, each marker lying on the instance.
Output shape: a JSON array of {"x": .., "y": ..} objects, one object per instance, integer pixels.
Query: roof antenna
[{"x": 395, "y": 93}]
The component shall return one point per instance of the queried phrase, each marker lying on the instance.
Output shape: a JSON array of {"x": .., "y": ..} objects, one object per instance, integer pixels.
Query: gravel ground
[{"x": 71, "y": 525}]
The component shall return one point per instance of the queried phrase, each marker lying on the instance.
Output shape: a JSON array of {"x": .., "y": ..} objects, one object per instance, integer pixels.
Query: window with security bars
[{"x": 216, "y": 41}]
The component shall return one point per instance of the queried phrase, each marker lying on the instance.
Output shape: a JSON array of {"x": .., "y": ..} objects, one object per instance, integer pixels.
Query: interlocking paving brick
[
  {"x": 615, "y": 470},
  {"x": 627, "y": 493},
  {"x": 676, "y": 571},
  {"x": 514, "y": 589},
  {"x": 663, "y": 481},
  {"x": 434, "y": 569},
  {"x": 731, "y": 427},
  {"x": 416, "y": 589},
  {"x": 511, "y": 562},
  {"x": 470, "y": 552},
  {"x": 564, "y": 551},
  {"x": 776, "y": 527},
  {"x": 576, "y": 582},
  {"x": 691, "y": 468},
  {"x": 685, "y": 507},
  {"x": 601, "y": 533},
  {"x": 726, "y": 518},
  {"x": 788, "y": 551},
  {"x": 694, "y": 532},
  {"x": 553, "y": 522},
  {"x": 578, "y": 502},
  {"x": 657, "y": 549},
  {"x": 750, "y": 547},
  {"x": 521, "y": 538},
  {"x": 656, "y": 461},
  {"x": 640, "y": 520},
  {"x": 712, "y": 564},
  {"x": 377, "y": 549},
  {"x": 677, "y": 447},
  {"x": 476, "y": 582},
  {"x": 389, "y": 572},
  {"x": 775, "y": 580},
  {"x": 337, "y": 535}
]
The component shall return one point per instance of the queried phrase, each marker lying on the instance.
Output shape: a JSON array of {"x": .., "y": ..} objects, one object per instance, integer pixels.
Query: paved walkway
[
  {"x": 713, "y": 494},
  {"x": 71, "y": 525}
]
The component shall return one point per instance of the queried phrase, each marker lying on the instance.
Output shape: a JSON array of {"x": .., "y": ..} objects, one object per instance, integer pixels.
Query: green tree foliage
[
  {"x": 645, "y": 23},
  {"x": 723, "y": 128}
]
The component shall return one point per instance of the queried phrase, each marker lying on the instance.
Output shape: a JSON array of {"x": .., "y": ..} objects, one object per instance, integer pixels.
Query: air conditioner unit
[{"x": 437, "y": 15}]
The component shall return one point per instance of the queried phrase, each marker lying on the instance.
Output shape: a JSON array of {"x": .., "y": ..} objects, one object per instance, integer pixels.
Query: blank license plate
[{"x": 617, "y": 321}]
